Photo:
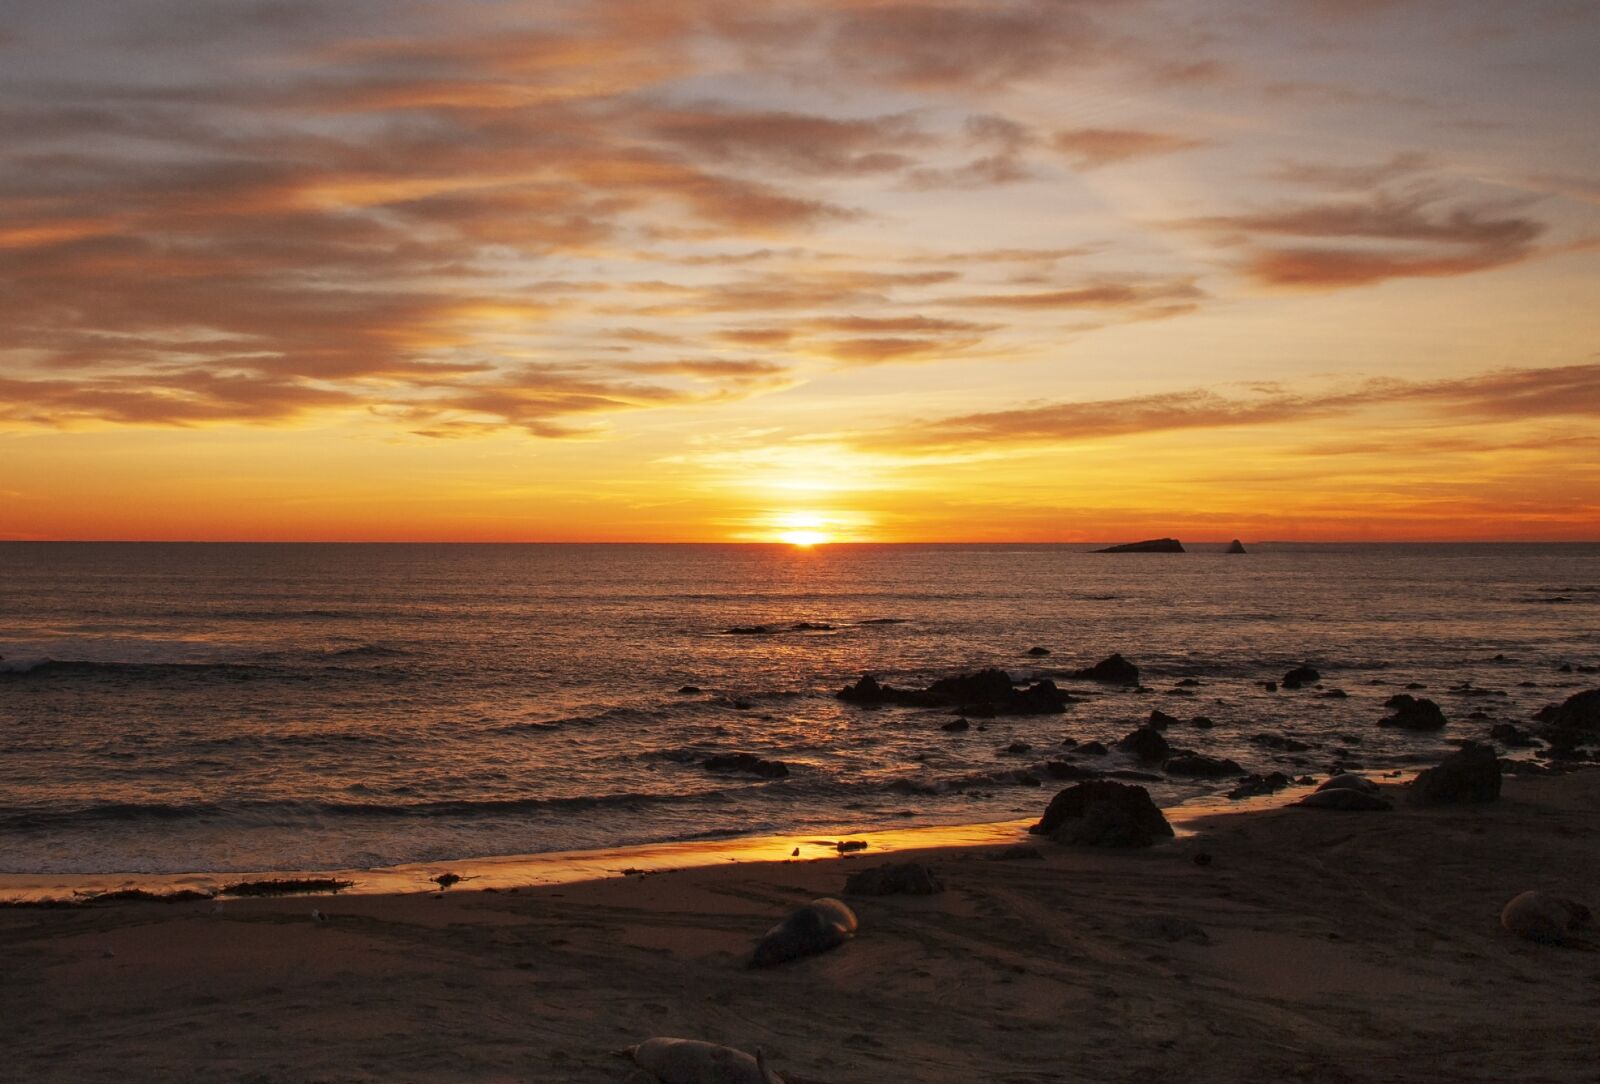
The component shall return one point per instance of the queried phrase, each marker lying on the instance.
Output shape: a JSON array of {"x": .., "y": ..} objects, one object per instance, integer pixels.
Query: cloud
[
  {"x": 1516, "y": 394},
  {"x": 1094, "y": 148},
  {"x": 799, "y": 143},
  {"x": 1095, "y": 295},
  {"x": 1379, "y": 238}
]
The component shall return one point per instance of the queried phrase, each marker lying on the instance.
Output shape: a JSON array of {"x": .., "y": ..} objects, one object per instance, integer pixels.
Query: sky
[{"x": 834, "y": 270}]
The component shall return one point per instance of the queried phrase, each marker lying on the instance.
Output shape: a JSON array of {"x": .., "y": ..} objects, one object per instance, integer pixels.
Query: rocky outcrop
[
  {"x": 987, "y": 692},
  {"x": 1471, "y": 774},
  {"x": 1159, "y": 720},
  {"x": 1511, "y": 736},
  {"x": 1186, "y": 762},
  {"x": 1101, "y": 813},
  {"x": 746, "y": 762},
  {"x": 1114, "y": 670},
  {"x": 1573, "y": 722},
  {"x": 1235, "y": 546},
  {"x": 1149, "y": 545},
  {"x": 1413, "y": 713},
  {"x": 1253, "y": 786},
  {"x": 1299, "y": 676},
  {"x": 1147, "y": 744}
]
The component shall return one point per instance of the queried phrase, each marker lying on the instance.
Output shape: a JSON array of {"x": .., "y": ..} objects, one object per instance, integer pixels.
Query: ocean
[{"x": 241, "y": 707}]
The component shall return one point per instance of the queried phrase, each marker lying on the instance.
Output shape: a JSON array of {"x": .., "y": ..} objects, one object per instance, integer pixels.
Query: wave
[
  {"x": 282, "y": 811},
  {"x": 14, "y": 668}
]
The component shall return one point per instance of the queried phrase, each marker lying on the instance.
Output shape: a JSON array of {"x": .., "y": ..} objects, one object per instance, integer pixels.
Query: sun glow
[{"x": 805, "y": 539}]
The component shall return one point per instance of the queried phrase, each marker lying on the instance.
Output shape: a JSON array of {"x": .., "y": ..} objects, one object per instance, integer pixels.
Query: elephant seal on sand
[
  {"x": 690, "y": 1061},
  {"x": 818, "y": 926},
  {"x": 1553, "y": 920}
]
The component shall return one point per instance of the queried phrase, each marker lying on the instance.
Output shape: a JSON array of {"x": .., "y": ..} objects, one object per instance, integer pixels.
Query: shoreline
[
  {"x": 1355, "y": 948},
  {"x": 501, "y": 872}
]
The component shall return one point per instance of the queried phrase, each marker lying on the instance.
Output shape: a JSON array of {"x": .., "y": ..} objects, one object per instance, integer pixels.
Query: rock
[
  {"x": 1253, "y": 786},
  {"x": 956, "y": 726},
  {"x": 1270, "y": 686},
  {"x": 1548, "y": 919},
  {"x": 1159, "y": 720},
  {"x": 1301, "y": 675},
  {"x": 811, "y": 626},
  {"x": 1334, "y": 694},
  {"x": 689, "y": 690},
  {"x": 895, "y": 879},
  {"x": 1150, "y": 545},
  {"x": 1573, "y": 722},
  {"x": 1038, "y": 652},
  {"x": 746, "y": 762},
  {"x": 985, "y": 693},
  {"x": 1018, "y": 747},
  {"x": 1093, "y": 749},
  {"x": 1102, "y": 813},
  {"x": 751, "y": 630},
  {"x": 1202, "y": 722},
  {"x": 1413, "y": 713},
  {"x": 1511, "y": 735},
  {"x": 1345, "y": 799},
  {"x": 1191, "y": 763},
  {"x": 1189, "y": 683},
  {"x": 1235, "y": 546},
  {"x": 1350, "y": 782},
  {"x": 1115, "y": 670},
  {"x": 1471, "y": 774},
  {"x": 1146, "y": 743}
]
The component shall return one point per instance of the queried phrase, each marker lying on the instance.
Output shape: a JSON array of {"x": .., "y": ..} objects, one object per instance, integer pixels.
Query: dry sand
[{"x": 1342, "y": 947}]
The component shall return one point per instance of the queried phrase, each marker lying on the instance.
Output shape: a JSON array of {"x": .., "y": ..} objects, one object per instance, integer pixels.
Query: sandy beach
[{"x": 1330, "y": 947}]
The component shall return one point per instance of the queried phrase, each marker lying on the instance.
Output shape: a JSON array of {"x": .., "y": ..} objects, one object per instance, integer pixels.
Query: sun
[{"x": 804, "y": 539}]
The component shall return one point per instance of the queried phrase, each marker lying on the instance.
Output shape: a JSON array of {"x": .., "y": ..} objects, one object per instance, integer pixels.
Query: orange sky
[{"x": 858, "y": 269}]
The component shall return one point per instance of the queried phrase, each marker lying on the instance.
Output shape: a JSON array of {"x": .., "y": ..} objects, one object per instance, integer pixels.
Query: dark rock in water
[
  {"x": 1189, "y": 683},
  {"x": 1159, "y": 720},
  {"x": 1270, "y": 686},
  {"x": 956, "y": 726},
  {"x": 1253, "y": 786},
  {"x": 1202, "y": 722},
  {"x": 1189, "y": 763},
  {"x": 1350, "y": 782},
  {"x": 1301, "y": 675},
  {"x": 751, "y": 630},
  {"x": 1115, "y": 670},
  {"x": 1038, "y": 652},
  {"x": 1413, "y": 685},
  {"x": 1334, "y": 694},
  {"x": 1280, "y": 741},
  {"x": 1354, "y": 801},
  {"x": 1018, "y": 747},
  {"x": 895, "y": 879},
  {"x": 1101, "y": 813},
  {"x": 1511, "y": 735},
  {"x": 1471, "y": 774},
  {"x": 1573, "y": 722},
  {"x": 1146, "y": 743},
  {"x": 746, "y": 762},
  {"x": 1027, "y": 779},
  {"x": 1235, "y": 546},
  {"x": 818, "y": 926},
  {"x": 846, "y": 846},
  {"x": 1093, "y": 749},
  {"x": 1062, "y": 769},
  {"x": 1413, "y": 713},
  {"x": 688, "y": 690},
  {"x": 985, "y": 694},
  {"x": 811, "y": 626},
  {"x": 1149, "y": 545}
]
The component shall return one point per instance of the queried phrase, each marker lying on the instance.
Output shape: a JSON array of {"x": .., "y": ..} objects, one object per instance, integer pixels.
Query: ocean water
[{"x": 175, "y": 707}]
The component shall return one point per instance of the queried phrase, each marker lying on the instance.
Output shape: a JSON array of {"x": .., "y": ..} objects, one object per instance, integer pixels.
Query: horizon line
[{"x": 776, "y": 542}]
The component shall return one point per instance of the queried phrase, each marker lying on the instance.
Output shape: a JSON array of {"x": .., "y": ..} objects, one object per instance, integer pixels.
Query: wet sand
[{"x": 1339, "y": 947}]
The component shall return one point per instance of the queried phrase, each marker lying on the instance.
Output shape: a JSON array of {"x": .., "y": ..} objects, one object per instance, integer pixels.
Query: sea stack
[
  {"x": 1152, "y": 545},
  {"x": 1235, "y": 546}
]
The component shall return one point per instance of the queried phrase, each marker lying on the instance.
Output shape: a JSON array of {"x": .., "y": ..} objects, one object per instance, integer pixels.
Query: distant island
[
  {"x": 1235, "y": 546},
  {"x": 1152, "y": 545}
]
